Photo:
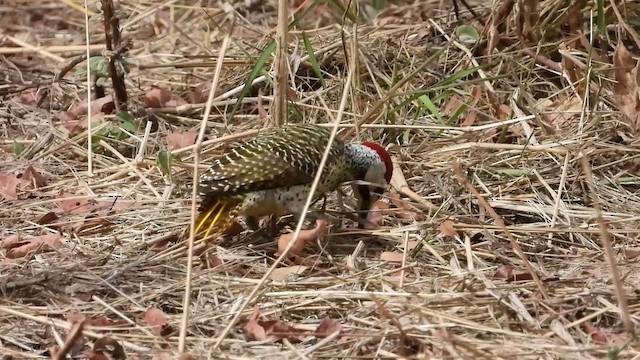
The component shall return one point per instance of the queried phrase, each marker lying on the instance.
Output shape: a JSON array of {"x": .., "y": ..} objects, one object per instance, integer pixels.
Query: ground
[{"x": 509, "y": 230}]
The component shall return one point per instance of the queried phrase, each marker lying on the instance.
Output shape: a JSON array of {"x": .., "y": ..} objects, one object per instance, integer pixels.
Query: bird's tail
[{"x": 215, "y": 218}]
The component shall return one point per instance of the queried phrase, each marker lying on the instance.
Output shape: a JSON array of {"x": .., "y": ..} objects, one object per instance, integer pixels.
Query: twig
[
  {"x": 608, "y": 249},
  {"x": 194, "y": 195}
]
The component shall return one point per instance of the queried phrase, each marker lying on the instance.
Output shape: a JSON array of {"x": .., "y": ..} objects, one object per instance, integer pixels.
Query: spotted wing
[{"x": 279, "y": 157}]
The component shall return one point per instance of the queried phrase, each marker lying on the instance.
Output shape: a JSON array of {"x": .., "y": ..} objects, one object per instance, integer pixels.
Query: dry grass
[{"x": 450, "y": 299}]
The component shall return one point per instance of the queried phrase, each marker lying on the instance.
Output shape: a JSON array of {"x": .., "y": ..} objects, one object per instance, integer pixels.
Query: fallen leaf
[
  {"x": 446, "y": 228},
  {"x": 211, "y": 261},
  {"x": 452, "y": 105},
  {"x": 73, "y": 127},
  {"x": 157, "y": 321},
  {"x": 626, "y": 89},
  {"x": 472, "y": 114},
  {"x": 288, "y": 272},
  {"x": 114, "y": 204},
  {"x": 278, "y": 329},
  {"x": 327, "y": 327},
  {"x": 503, "y": 272},
  {"x": 561, "y": 111},
  {"x": 106, "y": 348},
  {"x": 631, "y": 253},
  {"x": 103, "y": 105},
  {"x": 20, "y": 248},
  {"x": 391, "y": 256},
  {"x": 412, "y": 244},
  {"x": 33, "y": 177},
  {"x": 159, "y": 98},
  {"x": 253, "y": 331},
  {"x": 9, "y": 185},
  {"x": 504, "y": 112},
  {"x": 406, "y": 210},
  {"x": 597, "y": 334},
  {"x": 10, "y": 241},
  {"x": 200, "y": 94},
  {"x": 304, "y": 237},
  {"x": 261, "y": 330},
  {"x": 181, "y": 140},
  {"x": 375, "y": 216},
  {"x": 27, "y": 97},
  {"x": 47, "y": 218},
  {"x": 74, "y": 206},
  {"x": 521, "y": 276}
]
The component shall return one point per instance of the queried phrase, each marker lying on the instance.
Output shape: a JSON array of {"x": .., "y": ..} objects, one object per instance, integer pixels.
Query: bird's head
[{"x": 372, "y": 168}]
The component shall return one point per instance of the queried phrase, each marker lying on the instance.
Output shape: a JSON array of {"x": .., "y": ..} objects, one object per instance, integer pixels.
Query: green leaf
[
  {"x": 457, "y": 76},
  {"x": 17, "y": 148},
  {"x": 429, "y": 105},
  {"x": 163, "y": 161},
  {"x": 127, "y": 121},
  {"x": 602, "y": 26},
  {"x": 257, "y": 69},
  {"x": 312, "y": 58},
  {"x": 467, "y": 34}
]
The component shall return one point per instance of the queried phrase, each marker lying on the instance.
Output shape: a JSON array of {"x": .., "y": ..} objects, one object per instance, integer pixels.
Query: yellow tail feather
[{"x": 219, "y": 223}]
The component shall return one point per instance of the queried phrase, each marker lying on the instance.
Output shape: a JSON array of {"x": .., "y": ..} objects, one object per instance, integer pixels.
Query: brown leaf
[
  {"x": 159, "y": 98},
  {"x": 446, "y": 228},
  {"x": 10, "y": 241},
  {"x": 279, "y": 329},
  {"x": 18, "y": 249},
  {"x": 103, "y": 105},
  {"x": 33, "y": 177},
  {"x": 406, "y": 210},
  {"x": 260, "y": 330},
  {"x": 107, "y": 348},
  {"x": 626, "y": 89},
  {"x": 597, "y": 334},
  {"x": 27, "y": 97},
  {"x": 180, "y": 140},
  {"x": 521, "y": 276},
  {"x": 504, "y": 112},
  {"x": 391, "y": 256},
  {"x": 284, "y": 273},
  {"x": 561, "y": 111},
  {"x": 74, "y": 206},
  {"x": 375, "y": 216},
  {"x": 472, "y": 114},
  {"x": 157, "y": 320},
  {"x": 9, "y": 186},
  {"x": 200, "y": 94},
  {"x": 114, "y": 204},
  {"x": 504, "y": 272},
  {"x": 47, "y": 218},
  {"x": 304, "y": 237},
  {"x": 632, "y": 253},
  {"x": 253, "y": 331},
  {"x": 452, "y": 105},
  {"x": 73, "y": 127},
  {"x": 327, "y": 327}
]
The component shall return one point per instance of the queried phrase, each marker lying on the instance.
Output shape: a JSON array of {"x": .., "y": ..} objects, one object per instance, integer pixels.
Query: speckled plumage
[{"x": 272, "y": 173}]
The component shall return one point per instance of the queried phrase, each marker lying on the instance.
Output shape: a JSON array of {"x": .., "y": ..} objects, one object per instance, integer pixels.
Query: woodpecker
[{"x": 273, "y": 172}]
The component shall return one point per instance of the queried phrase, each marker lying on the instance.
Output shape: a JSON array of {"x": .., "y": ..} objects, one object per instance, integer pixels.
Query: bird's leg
[{"x": 272, "y": 226}]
